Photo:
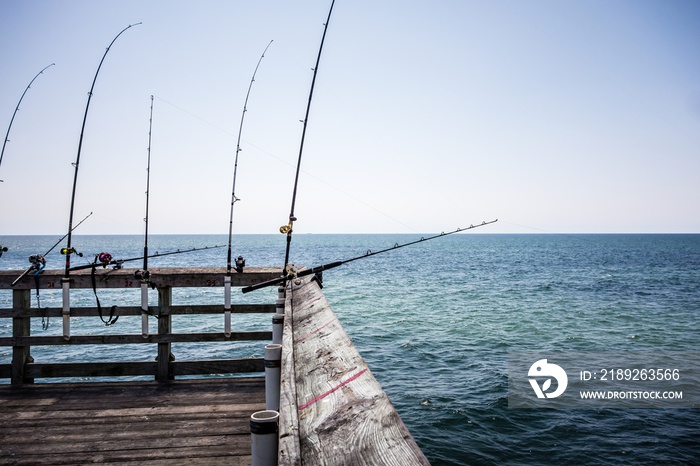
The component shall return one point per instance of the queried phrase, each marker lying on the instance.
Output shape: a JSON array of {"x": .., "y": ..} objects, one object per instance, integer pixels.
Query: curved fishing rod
[
  {"x": 69, "y": 249},
  {"x": 240, "y": 262},
  {"x": 104, "y": 259},
  {"x": 235, "y": 164},
  {"x": 331, "y": 265},
  {"x": 287, "y": 229},
  {"x": 38, "y": 261},
  {"x": 7, "y": 135}
]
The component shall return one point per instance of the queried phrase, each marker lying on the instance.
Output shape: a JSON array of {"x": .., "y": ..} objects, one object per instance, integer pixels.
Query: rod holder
[
  {"x": 277, "y": 328},
  {"x": 279, "y": 305},
  {"x": 144, "y": 310},
  {"x": 65, "y": 284},
  {"x": 273, "y": 365},
  {"x": 227, "y": 306},
  {"x": 264, "y": 430}
]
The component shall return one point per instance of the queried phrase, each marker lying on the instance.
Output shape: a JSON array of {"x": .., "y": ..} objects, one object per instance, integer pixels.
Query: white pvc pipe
[
  {"x": 277, "y": 326},
  {"x": 279, "y": 306},
  {"x": 65, "y": 283},
  {"x": 273, "y": 364},
  {"x": 144, "y": 307},
  {"x": 264, "y": 432},
  {"x": 227, "y": 305}
]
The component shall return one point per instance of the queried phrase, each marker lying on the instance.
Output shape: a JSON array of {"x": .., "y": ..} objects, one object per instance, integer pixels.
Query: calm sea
[{"x": 436, "y": 322}]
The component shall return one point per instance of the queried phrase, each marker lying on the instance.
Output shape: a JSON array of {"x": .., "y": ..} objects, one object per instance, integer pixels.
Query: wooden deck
[
  {"x": 332, "y": 409},
  {"x": 197, "y": 422}
]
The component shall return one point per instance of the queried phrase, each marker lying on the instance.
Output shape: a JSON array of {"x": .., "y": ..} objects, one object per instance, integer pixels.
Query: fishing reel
[
  {"x": 103, "y": 258},
  {"x": 286, "y": 229},
  {"x": 66, "y": 251},
  {"x": 38, "y": 261},
  {"x": 142, "y": 275},
  {"x": 291, "y": 272},
  {"x": 2, "y": 249},
  {"x": 240, "y": 263}
]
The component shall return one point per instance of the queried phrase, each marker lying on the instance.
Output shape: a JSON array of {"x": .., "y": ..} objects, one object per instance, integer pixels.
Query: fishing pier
[{"x": 331, "y": 408}]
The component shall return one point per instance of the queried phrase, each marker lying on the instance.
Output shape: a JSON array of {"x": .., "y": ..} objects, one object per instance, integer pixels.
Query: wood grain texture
[
  {"x": 193, "y": 277},
  {"x": 197, "y": 422},
  {"x": 344, "y": 416},
  {"x": 23, "y": 370}
]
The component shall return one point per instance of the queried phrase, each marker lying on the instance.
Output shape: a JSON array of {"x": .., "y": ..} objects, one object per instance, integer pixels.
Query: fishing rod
[
  {"x": 144, "y": 274},
  {"x": 240, "y": 262},
  {"x": 69, "y": 249},
  {"x": 369, "y": 253},
  {"x": 38, "y": 261},
  {"x": 105, "y": 259},
  {"x": 287, "y": 229},
  {"x": 7, "y": 135}
]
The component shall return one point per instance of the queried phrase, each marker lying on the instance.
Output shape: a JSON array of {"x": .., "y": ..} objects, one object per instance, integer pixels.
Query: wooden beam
[
  {"x": 23, "y": 341},
  {"x": 136, "y": 310},
  {"x": 344, "y": 415},
  {"x": 122, "y": 368},
  {"x": 191, "y": 277}
]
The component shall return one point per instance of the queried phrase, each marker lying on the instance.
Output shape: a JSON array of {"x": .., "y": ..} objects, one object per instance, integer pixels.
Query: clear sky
[{"x": 552, "y": 116}]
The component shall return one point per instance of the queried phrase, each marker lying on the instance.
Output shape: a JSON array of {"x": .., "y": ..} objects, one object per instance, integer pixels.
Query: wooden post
[
  {"x": 165, "y": 297},
  {"x": 21, "y": 327}
]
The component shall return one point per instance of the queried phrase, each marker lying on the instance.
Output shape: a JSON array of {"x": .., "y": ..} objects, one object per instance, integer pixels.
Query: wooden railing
[
  {"x": 332, "y": 409},
  {"x": 23, "y": 369}
]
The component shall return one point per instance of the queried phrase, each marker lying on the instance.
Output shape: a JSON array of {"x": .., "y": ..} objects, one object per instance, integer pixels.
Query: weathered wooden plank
[
  {"x": 131, "y": 394},
  {"x": 191, "y": 277},
  {"x": 130, "y": 368},
  {"x": 133, "y": 339},
  {"x": 165, "y": 299},
  {"x": 81, "y": 459},
  {"x": 91, "y": 369},
  {"x": 289, "y": 451},
  {"x": 344, "y": 415},
  {"x": 21, "y": 327},
  {"x": 218, "y": 366},
  {"x": 136, "y": 310},
  {"x": 198, "y": 422}
]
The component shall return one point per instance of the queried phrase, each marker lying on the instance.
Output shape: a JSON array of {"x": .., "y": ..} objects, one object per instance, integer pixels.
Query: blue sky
[{"x": 561, "y": 117}]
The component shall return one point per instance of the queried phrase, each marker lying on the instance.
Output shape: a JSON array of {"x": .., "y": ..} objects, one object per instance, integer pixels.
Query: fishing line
[
  {"x": 280, "y": 159},
  {"x": 35, "y": 259},
  {"x": 287, "y": 229},
  {"x": 7, "y": 135},
  {"x": 197, "y": 117}
]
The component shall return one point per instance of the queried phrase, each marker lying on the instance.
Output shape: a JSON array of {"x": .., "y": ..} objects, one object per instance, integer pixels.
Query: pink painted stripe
[
  {"x": 340, "y": 385},
  {"x": 317, "y": 329}
]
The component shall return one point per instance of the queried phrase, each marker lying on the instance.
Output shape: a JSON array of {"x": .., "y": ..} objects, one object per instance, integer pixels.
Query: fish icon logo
[{"x": 542, "y": 369}]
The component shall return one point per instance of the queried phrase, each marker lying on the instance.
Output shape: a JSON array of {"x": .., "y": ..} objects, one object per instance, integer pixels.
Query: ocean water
[{"x": 436, "y": 322}]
